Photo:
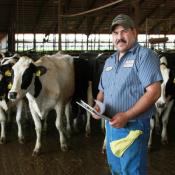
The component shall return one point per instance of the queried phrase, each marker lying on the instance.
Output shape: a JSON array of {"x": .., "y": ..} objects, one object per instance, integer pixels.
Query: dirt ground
[{"x": 83, "y": 158}]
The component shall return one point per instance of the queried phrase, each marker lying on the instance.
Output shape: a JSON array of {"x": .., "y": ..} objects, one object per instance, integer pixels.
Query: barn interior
[
  {"x": 85, "y": 17},
  {"x": 23, "y": 21}
]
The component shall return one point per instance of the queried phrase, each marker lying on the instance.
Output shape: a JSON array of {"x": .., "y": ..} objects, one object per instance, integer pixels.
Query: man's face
[{"x": 123, "y": 39}]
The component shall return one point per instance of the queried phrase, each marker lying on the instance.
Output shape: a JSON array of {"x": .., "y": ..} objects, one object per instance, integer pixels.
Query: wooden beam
[
  {"x": 67, "y": 5},
  {"x": 161, "y": 21},
  {"x": 153, "y": 11},
  {"x": 137, "y": 13},
  {"x": 90, "y": 4},
  {"x": 100, "y": 23},
  {"x": 42, "y": 11}
]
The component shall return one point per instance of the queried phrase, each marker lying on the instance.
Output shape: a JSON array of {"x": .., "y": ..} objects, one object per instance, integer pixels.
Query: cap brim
[{"x": 126, "y": 26}]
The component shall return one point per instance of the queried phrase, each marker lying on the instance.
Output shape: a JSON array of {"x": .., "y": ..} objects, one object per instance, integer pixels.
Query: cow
[
  {"x": 5, "y": 104},
  {"x": 165, "y": 102},
  {"x": 48, "y": 84},
  {"x": 88, "y": 68}
]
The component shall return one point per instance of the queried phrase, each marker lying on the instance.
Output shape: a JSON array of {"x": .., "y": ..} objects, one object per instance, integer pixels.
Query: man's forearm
[
  {"x": 146, "y": 101},
  {"x": 100, "y": 96}
]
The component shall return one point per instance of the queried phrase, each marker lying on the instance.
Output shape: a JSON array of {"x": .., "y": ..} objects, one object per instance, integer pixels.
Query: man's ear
[{"x": 40, "y": 70}]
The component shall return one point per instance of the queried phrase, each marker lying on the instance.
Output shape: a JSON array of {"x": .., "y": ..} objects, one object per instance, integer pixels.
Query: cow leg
[
  {"x": 151, "y": 132},
  {"x": 157, "y": 122},
  {"x": 104, "y": 145},
  {"x": 68, "y": 122},
  {"x": 90, "y": 102},
  {"x": 59, "y": 125},
  {"x": 2, "y": 120},
  {"x": 165, "y": 118},
  {"x": 103, "y": 125},
  {"x": 103, "y": 129},
  {"x": 38, "y": 129},
  {"x": 18, "y": 121},
  {"x": 44, "y": 129}
]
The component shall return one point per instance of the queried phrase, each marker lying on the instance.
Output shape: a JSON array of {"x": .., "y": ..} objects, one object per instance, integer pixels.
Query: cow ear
[
  {"x": 16, "y": 57},
  {"x": 40, "y": 70}
]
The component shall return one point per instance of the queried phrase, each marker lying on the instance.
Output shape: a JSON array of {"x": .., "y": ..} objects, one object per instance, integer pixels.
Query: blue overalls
[
  {"x": 123, "y": 83},
  {"x": 134, "y": 159}
]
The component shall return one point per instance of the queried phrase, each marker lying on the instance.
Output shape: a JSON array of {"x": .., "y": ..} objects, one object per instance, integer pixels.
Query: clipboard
[{"x": 91, "y": 110}]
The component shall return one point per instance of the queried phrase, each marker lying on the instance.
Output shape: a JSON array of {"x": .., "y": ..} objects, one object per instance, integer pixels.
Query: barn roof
[{"x": 84, "y": 16}]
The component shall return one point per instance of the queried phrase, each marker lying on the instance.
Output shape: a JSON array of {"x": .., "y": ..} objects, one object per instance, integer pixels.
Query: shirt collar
[{"x": 132, "y": 50}]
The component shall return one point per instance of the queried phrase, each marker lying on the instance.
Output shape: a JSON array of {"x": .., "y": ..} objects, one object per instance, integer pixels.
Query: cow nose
[
  {"x": 12, "y": 95},
  {"x": 161, "y": 105}
]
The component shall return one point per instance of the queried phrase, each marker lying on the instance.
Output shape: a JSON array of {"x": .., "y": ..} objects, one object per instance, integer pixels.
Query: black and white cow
[
  {"x": 165, "y": 103},
  {"x": 5, "y": 104},
  {"x": 48, "y": 84}
]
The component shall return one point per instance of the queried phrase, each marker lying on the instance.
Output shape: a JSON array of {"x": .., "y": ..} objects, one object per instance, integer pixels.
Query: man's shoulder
[
  {"x": 111, "y": 57},
  {"x": 145, "y": 52},
  {"x": 142, "y": 49}
]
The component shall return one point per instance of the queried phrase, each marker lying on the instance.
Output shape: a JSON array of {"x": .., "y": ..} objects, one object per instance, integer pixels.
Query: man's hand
[
  {"x": 97, "y": 108},
  {"x": 100, "y": 97},
  {"x": 119, "y": 120}
]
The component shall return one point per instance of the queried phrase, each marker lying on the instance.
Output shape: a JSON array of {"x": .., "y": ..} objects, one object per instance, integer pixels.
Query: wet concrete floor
[{"x": 83, "y": 158}]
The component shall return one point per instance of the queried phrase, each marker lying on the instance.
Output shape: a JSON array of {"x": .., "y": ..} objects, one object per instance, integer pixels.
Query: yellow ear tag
[
  {"x": 174, "y": 81},
  {"x": 38, "y": 73},
  {"x": 8, "y": 73},
  {"x": 9, "y": 86}
]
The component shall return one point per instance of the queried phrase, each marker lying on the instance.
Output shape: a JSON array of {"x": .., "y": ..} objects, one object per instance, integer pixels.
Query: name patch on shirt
[
  {"x": 129, "y": 63},
  {"x": 109, "y": 68}
]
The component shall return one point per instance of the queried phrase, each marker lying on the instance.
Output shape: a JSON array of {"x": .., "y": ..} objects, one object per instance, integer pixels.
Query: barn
[{"x": 78, "y": 32}]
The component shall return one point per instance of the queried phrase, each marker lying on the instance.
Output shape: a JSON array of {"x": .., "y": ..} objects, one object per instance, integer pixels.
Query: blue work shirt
[{"x": 124, "y": 82}]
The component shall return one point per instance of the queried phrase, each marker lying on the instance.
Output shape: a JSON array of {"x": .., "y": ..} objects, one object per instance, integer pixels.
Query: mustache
[{"x": 121, "y": 40}]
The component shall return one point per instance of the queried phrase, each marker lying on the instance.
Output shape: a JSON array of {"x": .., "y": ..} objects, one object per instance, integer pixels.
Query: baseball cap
[{"x": 123, "y": 20}]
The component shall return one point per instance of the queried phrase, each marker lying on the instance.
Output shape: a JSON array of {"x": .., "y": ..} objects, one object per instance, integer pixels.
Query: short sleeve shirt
[{"x": 124, "y": 82}]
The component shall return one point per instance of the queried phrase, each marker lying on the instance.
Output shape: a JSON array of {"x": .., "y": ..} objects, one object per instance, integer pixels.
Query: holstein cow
[
  {"x": 5, "y": 104},
  {"x": 48, "y": 84},
  {"x": 165, "y": 103}
]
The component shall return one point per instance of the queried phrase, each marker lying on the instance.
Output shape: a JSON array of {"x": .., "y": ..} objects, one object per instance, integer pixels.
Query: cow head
[
  {"x": 25, "y": 78},
  {"x": 5, "y": 80},
  {"x": 10, "y": 60},
  {"x": 165, "y": 71}
]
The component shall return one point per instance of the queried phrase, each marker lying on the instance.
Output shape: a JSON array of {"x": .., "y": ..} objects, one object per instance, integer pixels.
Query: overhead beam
[
  {"x": 136, "y": 6},
  {"x": 93, "y": 10},
  {"x": 42, "y": 11},
  {"x": 100, "y": 23},
  {"x": 82, "y": 19},
  {"x": 67, "y": 5},
  {"x": 153, "y": 11},
  {"x": 161, "y": 21}
]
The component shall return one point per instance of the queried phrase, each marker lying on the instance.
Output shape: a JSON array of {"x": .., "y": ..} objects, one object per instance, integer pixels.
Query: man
[{"x": 129, "y": 86}]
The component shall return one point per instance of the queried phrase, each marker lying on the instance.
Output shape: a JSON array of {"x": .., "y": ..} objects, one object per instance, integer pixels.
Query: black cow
[{"x": 88, "y": 69}]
